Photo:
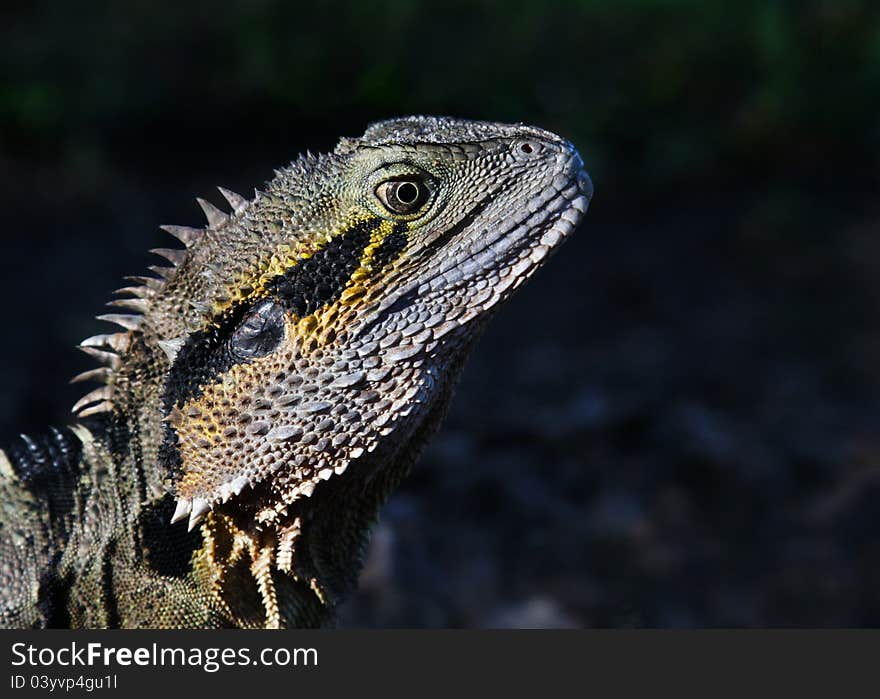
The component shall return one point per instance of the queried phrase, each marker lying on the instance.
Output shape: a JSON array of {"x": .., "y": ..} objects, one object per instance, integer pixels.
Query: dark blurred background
[{"x": 675, "y": 424}]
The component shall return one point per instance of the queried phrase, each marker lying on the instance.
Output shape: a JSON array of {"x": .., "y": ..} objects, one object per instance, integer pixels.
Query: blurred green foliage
[{"x": 663, "y": 91}]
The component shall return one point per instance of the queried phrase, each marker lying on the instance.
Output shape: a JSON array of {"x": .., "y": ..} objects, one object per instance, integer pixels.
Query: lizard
[{"x": 270, "y": 387}]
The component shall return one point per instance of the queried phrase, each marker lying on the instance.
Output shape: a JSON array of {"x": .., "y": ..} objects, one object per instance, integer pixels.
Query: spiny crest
[
  {"x": 108, "y": 349},
  {"x": 300, "y": 177}
]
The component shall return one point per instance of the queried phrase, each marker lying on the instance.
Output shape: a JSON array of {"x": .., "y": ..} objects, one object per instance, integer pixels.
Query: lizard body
[{"x": 272, "y": 386}]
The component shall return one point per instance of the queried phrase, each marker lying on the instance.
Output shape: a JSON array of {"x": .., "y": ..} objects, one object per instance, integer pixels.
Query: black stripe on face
[
  {"x": 391, "y": 247},
  {"x": 248, "y": 329},
  {"x": 206, "y": 355},
  {"x": 320, "y": 280},
  {"x": 303, "y": 289}
]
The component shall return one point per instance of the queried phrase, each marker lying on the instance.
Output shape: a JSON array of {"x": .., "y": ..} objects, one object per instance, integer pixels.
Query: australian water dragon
[{"x": 273, "y": 384}]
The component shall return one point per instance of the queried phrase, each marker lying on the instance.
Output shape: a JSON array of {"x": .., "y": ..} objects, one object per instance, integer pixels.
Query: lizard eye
[
  {"x": 403, "y": 196},
  {"x": 260, "y": 332}
]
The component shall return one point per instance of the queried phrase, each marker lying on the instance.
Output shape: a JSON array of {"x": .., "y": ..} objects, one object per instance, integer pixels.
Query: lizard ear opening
[{"x": 261, "y": 331}]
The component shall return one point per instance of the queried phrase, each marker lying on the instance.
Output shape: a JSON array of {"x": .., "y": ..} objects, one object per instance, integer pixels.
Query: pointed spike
[
  {"x": 99, "y": 394},
  {"x": 105, "y": 407},
  {"x": 171, "y": 347},
  {"x": 165, "y": 272},
  {"x": 128, "y": 322},
  {"x": 140, "y": 292},
  {"x": 139, "y": 305},
  {"x": 236, "y": 201},
  {"x": 174, "y": 256},
  {"x": 200, "y": 508},
  {"x": 119, "y": 342},
  {"x": 224, "y": 491},
  {"x": 30, "y": 443},
  {"x": 174, "y": 418},
  {"x": 186, "y": 235},
  {"x": 96, "y": 341},
  {"x": 149, "y": 282},
  {"x": 99, "y": 374},
  {"x": 238, "y": 484},
  {"x": 216, "y": 218},
  {"x": 181, "y": 511},
  {"x": 106, "y": 358}
]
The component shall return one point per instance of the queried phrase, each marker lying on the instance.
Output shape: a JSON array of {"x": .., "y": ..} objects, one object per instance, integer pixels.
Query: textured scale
[{"x": 270, "y": 388}]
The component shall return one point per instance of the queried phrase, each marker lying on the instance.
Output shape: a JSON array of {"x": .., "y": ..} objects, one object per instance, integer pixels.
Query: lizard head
[{"x": 311, "y": 331}]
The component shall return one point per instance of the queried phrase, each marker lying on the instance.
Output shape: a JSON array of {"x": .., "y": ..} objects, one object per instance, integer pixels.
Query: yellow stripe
[{"x": 286, "y": 256}]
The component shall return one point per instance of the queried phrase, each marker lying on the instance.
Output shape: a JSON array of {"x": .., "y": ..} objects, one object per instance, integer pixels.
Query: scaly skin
[{"x": 277, "y": 381}]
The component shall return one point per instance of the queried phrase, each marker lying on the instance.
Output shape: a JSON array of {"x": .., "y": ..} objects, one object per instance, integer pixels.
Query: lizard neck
[{"x": 302, "y": 565}]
